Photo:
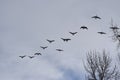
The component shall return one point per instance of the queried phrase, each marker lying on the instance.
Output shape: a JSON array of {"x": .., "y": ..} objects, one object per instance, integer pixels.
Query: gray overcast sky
[{"x": 26, "y": 24}]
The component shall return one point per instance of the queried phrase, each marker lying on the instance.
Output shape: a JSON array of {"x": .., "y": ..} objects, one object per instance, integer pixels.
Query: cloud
[{"x": 26, "y": 24}]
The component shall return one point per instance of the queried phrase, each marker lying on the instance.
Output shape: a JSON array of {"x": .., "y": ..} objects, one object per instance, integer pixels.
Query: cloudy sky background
[{"x": 26, "y": 24}]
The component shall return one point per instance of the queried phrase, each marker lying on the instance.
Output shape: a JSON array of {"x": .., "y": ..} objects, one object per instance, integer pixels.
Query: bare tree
[
  {"x": 99, "y": 67},
  {"x": 116, "y": 36},
  {"x": 116, "y": 33}
]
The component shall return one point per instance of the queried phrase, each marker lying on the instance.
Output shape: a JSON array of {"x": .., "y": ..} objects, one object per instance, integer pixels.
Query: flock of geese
[{"x": 67, "y": 39}]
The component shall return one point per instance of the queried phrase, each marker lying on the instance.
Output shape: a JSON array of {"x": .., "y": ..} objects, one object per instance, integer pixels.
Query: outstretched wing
[
  {"x": 114, "y": 28},
  {"x": 50, "y": 41},
  {"x": 43, "y": 47},
  {"x": 73, "y": 33},
  {"x": 31, "y": 57},
  {"x": 96, "y": 17},
  {"x": 68, "y": 39},
  {"x": 63, "y": 39},
  {"x": 37, "y": 54},
  {"x": 101, "y": 32},
  {"x": 59, "y": 49},
  {"x": 22, "y": 56},
  {"x": 83, "y": 27}
]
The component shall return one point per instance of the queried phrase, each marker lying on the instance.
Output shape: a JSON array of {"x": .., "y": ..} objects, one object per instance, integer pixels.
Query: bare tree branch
[
  {"x": 99, "y": 67},
  {"x": 116, "y": 33}
]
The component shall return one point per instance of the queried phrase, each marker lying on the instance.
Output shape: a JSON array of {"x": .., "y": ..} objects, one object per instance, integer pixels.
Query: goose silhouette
[
  {"x": 101, "y": 32},
  {"x": 59, "y": 50},
  {"x": 22, "y": 56},
  {"x": 73, "y": 33},
  {"x": 65, "y": 39},
  {"x": 37, "y": 54},
  {"x": 31, "y": 57},
  {"x": 50, "y": 41},
  {"x": 96, "y": 17},
  {"x": 114, "y": 28},
  {"x": 44, "y": 47},
  {"x": 83, "y": 27}
]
